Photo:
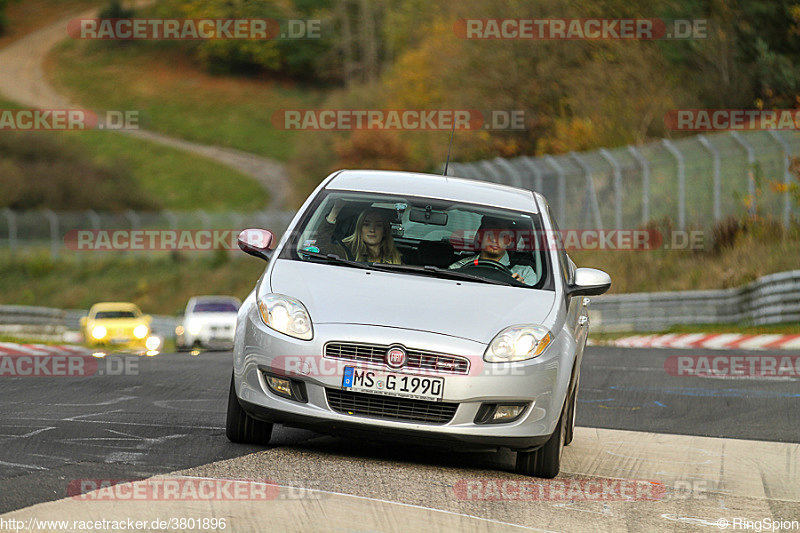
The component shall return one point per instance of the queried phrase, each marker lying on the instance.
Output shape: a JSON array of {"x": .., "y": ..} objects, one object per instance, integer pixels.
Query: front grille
[
  {"x": 390, "y": 408},
  {"x": 416, "y": 360}
]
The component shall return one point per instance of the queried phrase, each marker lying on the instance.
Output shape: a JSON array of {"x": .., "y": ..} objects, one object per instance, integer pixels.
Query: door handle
[
  {"x": 583, "y": 320},
  {"x": 586, "y": 302}
]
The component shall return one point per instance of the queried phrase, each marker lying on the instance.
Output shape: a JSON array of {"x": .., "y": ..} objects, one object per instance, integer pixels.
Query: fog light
[
  {"x": 503, "y": 413},
  {"x": 280, "y": 386},
  {"x": 291, "y": 389},
  {"x": 492, "y": 413}
]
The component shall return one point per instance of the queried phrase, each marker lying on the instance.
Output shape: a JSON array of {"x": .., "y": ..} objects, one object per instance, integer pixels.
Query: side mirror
[
  {"x": 256, "y": 242},
  {"x": 147, "y": 318},
  {"x": 589, "y": 282},
  {"x": 83, "y": 320}
]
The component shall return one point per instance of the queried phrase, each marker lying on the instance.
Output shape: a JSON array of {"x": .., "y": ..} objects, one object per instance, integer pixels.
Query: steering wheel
[
  {"x": 490, "y": 269},
  {"x": 490, "y": 263}
]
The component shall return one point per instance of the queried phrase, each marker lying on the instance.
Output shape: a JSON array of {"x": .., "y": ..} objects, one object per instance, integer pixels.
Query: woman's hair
[{"x": 388, "y": 251}]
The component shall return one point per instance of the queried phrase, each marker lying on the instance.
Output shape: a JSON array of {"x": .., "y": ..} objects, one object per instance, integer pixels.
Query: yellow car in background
[{"x": 116, "y": 324}]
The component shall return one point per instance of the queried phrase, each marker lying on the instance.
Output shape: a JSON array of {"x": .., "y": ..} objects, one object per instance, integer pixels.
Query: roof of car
[
  {"x": 115, "y": 306},
  {"x": 434, "y": 186}
]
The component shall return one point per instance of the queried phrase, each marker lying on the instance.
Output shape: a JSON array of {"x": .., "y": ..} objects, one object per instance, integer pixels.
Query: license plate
[
  {"x": 119, "y": 340},
  {"x": 393, "y": 384}
]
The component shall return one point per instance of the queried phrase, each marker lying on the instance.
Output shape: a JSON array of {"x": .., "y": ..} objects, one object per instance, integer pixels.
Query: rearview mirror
[
  {"x": 256, "y": 242},
  {"x": 589, "y": 282},
  {"x": 427, "y": 216}
]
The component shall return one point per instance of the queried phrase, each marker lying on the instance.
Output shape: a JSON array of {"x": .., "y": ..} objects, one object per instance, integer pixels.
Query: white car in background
[{"x": 209, "y": 322}]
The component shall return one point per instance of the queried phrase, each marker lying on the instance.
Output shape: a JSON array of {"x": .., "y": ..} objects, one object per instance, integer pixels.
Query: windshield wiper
[
  {"x": 441, "y": 273},
  {"x": 333, "y": 258},
  {"x": 429, "y": 270}
]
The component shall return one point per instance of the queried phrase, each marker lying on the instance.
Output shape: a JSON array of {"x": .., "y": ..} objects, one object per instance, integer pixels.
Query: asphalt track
[{"x": 165, "y": 417}]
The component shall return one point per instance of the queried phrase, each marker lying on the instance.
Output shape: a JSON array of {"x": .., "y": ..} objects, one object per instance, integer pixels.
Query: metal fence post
[
  {"x": 717, "y": 183},
  {"x": 787, "y": 177},
  {"x": 52, "y": 218},
  {"x": 204, "y": 220},
  {"x": 681, "y": 182},
  {"x": 562, "y": 188},
  {"x": 94, "y": 219},
  {"x": 172, "y": 220},
  {"x": 516, "y": 181},
  {"x": 617, "y": 186},
  {"x": 751, "y": 160},
  {"x": 591, "y": 194},
  {"x": 490, "y": 171},
  {"x": 645, "y": 164},
  {"x": 237, "y": 225},
  {"x": 11, "y": 217},
  {"x": 537, "y": 173},
  {"x": 133, "y": 218}
]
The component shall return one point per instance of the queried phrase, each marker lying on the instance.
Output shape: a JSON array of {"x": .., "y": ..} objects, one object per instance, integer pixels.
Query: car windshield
[
  {"x": 115, "y": 314},
  {"x": 215, "y": 307},
  {"x": 423, "y": 236}
]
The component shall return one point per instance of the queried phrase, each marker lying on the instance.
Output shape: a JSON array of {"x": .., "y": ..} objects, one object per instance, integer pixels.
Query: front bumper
[
  {"x": 206, "y": 339},
  {"x": 541, "y": 383}
]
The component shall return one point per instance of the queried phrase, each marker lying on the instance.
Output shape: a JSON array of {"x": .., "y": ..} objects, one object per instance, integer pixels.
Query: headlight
[
  {"x": 517, "y": 343},
  {"x": 286, "y": 315},
  {"x": 140, "y": 331},
  {"x": 98, "y": 332},
  {"x": 195, "y": 328},
  {"x": 152, "y": 343}
]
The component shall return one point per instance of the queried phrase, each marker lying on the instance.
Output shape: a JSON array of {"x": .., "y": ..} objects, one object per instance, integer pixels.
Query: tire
[
  {"x": 242, "y": 428},
  {"x": 569, "y": 432},
  {"x": 545, "y": 462}
]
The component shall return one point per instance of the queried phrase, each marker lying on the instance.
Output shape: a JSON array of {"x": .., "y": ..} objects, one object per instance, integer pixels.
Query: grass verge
[
  {"x": 174, "y": 179},
  {"x": 753, "y": 255},
  {"x": 177, "y": 98}
]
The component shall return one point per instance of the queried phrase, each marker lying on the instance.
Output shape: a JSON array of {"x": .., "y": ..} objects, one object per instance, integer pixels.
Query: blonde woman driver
[{"x": 371, "y": 241}]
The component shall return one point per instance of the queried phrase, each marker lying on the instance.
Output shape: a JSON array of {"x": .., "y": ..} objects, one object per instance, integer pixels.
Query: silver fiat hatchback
[{"x": 425, "y": 307}]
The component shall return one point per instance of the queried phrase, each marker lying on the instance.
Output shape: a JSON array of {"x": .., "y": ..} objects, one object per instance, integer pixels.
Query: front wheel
[
  {"x": 544, "y": 462},
  {"x": 241, "y": 427}
]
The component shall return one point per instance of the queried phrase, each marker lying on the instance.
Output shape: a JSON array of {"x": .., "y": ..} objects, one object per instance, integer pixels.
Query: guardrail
[
  {"x": 772, "y": 299},
  {"x": 48, "y": 323}
]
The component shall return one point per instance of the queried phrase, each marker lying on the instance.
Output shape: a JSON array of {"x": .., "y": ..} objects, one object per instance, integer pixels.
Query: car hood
[
  {"x": 469, "y": 310},
  {"x": 118, "y": 323}
]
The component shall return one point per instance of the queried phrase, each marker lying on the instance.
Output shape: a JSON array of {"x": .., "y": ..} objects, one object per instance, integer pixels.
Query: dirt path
[{"x": 22, "y": 80}]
